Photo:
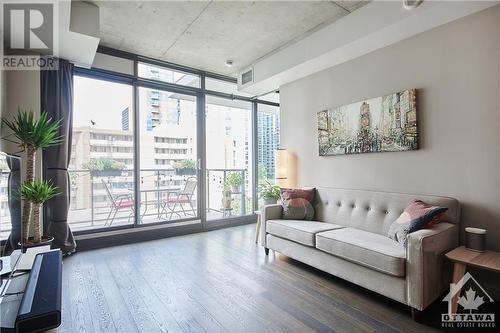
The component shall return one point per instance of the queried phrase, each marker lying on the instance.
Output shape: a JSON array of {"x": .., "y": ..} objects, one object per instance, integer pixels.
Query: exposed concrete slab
[
  {"x": 205, "y": 34},
  {"x": 148, "y": 27},
  {"x": 370, "y": 28}
]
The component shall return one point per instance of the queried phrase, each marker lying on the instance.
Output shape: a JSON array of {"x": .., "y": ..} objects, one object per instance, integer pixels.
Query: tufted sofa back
[{"x": 373, "y": 211}]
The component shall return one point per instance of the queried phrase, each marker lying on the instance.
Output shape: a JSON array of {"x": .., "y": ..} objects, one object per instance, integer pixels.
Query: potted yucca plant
[
  {"x": 30, "y": 135},
  {"x": 37, "y": 193}
]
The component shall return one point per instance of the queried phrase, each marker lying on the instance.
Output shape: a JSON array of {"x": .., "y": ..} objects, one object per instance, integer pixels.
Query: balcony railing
[
  {"x": 227, "y": 192},
  {"x": 91, "y": 204}
]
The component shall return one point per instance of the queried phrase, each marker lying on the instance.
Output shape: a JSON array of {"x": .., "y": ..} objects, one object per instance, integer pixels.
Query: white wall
[
  {"x": 22, "y": 90},
  {"x": 456, "y": 68}
]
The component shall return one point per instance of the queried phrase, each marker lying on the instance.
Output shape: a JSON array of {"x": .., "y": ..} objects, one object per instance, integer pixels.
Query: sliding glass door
[
  {"x": 168, "y": 155},
  {"x": 268, "y": 118},
  {"x": 101, "y": 168},
  {"x": 167, "y": 145},
  {"x": 229, "y": 158}
]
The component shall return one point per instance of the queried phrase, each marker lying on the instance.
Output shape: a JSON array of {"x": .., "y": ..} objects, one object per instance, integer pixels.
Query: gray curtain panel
[
  {"x": 14, "y": 181},
  {"x": 57, "y": 101}
]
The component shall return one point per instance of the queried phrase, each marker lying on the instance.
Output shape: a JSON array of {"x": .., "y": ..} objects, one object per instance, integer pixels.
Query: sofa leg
[
  {"x": 416, "y": 315},
  {"x": 266, "y": 250}
]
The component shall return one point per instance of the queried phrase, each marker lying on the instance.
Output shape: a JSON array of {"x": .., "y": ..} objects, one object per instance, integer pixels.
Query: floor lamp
[{"x": 281, "y": 167}]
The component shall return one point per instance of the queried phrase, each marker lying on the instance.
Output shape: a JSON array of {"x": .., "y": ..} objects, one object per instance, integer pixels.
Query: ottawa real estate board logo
[
  {"x": 29, "y": 38},
  {"x": 466, "y": 300}
]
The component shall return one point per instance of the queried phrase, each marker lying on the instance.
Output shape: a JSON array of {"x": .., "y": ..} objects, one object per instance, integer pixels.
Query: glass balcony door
[
  {"x": 229, "y": 158},
  {"x": 168, "y": 155},
  {"x": 101, "y": 168}
]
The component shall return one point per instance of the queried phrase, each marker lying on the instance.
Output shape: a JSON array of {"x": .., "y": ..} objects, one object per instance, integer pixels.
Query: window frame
[{"x": 200, "y": 93}]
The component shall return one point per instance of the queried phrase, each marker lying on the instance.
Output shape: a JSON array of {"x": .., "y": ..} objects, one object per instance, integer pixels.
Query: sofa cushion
[
  {"x": 372, "y": 211},
  {"x": 299, "y": 231},
  {"x": 365, "y": 248},
  {"x": 417, "y": 215},
  {"x": 297, "y": 203}
]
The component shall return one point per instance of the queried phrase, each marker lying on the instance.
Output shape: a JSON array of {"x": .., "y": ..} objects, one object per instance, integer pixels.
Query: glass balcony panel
[
  {"x": 102, "y": 154},
  {"x": 168, "y": 155},
  {"x": 229, "y": 189},
  {"x": 268, "y": 118}
]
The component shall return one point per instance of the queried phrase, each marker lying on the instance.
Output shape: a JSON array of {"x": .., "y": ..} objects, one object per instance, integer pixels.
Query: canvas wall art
[{"x": 387, "y": 123}]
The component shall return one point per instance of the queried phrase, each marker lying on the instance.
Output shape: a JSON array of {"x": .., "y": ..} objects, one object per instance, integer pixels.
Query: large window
[
  {"x": 143, "y": 166},
  {"x": 168, "y": 156},
  {"x": 157, "y": 73},
  {"x": 224, "y": 87},
  {"x": 229, "y": 158},
  {"x": 102, "y": 155},
  {"x": 267, "y": 140}
]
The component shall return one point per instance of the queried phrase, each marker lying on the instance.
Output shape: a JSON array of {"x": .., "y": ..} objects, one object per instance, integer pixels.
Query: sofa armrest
[
  {"x": 269, "y": 212},
  {"x": 425, "y": 272}
]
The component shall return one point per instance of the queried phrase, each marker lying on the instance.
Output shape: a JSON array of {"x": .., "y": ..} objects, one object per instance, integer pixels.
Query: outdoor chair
[
  {"x": 180, "y": 198},
  {"x": 118, "y": 202}
]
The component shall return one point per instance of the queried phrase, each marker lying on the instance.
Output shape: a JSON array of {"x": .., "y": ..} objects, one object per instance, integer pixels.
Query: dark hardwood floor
[{"x": 213, "y": 282}]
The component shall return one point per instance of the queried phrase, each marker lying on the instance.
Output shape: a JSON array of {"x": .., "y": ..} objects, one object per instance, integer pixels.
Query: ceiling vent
[{"x": 246, "y": 77}]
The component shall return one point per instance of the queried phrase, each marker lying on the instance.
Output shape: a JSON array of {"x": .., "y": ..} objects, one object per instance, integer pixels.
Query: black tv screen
[{"x": 10, "y": 204}]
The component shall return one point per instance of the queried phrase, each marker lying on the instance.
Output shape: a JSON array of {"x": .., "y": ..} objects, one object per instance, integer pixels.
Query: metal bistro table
[{"x": 158, "y": 201}]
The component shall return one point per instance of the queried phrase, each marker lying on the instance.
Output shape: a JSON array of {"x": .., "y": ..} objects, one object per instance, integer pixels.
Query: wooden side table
[
  {"x": 463, "y": 257},
  {"x": 257, "y": 227}
]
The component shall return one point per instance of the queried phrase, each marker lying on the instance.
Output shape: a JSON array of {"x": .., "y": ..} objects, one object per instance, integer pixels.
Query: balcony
[
  {"x": 91, "y": 206},
  {"x": 96, "y": 197}
]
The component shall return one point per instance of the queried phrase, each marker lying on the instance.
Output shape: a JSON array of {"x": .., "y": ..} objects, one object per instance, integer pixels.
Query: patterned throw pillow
[
  {"x": 297, "y": 204},
  {"x": 417, "y": 215}
]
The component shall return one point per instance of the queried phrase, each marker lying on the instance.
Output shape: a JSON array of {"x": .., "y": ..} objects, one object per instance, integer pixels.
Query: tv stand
[{"x": 31, "y": 298}]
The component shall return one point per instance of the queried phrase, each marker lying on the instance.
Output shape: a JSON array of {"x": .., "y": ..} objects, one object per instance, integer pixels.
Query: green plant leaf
[
  {"x": 234, "y": 179},
  {"x": 38, "y": 191},
  {"x": 101, "y": 164},
  {"x": 30, "y": 132},
  {"x": 268, "y": 190}
]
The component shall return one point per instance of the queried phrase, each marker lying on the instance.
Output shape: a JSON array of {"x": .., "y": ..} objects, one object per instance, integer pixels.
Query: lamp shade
[{"x": 281, "y": 164}]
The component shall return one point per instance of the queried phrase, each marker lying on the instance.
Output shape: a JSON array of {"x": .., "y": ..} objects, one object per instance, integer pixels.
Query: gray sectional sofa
[{"x": 348, "y": 239}]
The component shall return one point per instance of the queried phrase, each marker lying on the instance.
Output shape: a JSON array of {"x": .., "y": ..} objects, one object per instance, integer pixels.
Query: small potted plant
[
  {"x": 269, "y": 192},
  {"x": 234, "y": 181},
  {"x": 37, "y": 193},
  {"x": 104, "y": 167},
  {"x": 185, "y": 167}
]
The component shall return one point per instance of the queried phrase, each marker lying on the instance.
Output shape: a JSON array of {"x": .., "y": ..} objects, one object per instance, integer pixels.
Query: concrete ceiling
[{"x": 204, "y": 34}]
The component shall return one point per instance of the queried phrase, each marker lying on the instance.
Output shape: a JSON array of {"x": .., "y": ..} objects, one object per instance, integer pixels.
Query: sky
[
  {"x": 100, "y": 101},
  {"x": 103, "y": 102}
]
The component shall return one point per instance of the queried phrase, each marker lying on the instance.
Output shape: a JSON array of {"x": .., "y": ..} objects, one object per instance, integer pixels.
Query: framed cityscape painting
[{"x": 387, "y": 123}]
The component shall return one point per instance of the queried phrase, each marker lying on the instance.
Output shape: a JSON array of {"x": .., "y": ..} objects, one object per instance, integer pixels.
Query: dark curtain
[
  {"x": 13, "y": 183},
  {"x": 57, "y": 100}
]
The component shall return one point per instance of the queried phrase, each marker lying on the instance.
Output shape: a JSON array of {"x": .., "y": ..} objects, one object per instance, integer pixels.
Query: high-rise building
[
  {"x": 98, "y": 144},
  {"x": 125, "y": 119},
  {"x": 267, "y": 140}
]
